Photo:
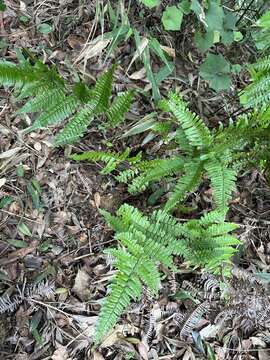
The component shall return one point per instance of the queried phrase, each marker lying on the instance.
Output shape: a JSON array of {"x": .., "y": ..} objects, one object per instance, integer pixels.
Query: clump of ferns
[
  {"x": 195, "y": 152},
  {"x": 25, "y": 293},
  {"x": 47, "y": 95},
  {"x": 145, "y": 242}
]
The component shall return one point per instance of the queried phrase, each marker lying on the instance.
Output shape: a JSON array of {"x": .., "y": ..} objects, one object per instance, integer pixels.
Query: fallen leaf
[
  {"x": 61, "y": 353},
  {"x": 143, "y": 349},
  {"x": 170, "y": 51},
  {"x": 2, "y": 181},
  {"x": 97, "y": 356},
  {"x": 81, "y": 285},
  {"x": 138, "y": 75},
  {"x": 9, "y": 153}
]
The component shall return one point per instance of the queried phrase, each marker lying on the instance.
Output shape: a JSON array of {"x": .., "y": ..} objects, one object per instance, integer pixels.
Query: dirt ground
[{"x": 52, "y": 235}]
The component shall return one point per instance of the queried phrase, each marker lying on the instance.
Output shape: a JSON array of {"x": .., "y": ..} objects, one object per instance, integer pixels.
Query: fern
[
  {"x": 112, "y": 160},
  {"x": 118, "y": 109},
  {"x": 146, "y": 242},
  {"x": 186, "y": 183},
  {"x": 198, "y": 149},
  {"x": 222, "y": 180},
  {"x": 195, "y": 130},
  {"x": 49, "y": 96}
]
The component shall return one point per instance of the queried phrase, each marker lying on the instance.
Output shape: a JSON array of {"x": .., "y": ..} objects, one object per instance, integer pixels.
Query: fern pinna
[
  {"x": 54, "y": 100},
  {"x": 147, "y": 241},
  {"x": 198, "y": 152}
]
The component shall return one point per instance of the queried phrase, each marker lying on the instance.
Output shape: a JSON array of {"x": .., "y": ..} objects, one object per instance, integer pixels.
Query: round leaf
[
  {"x": 216, "y": 70},
  {"x": 172, "y": 18},
  {"x": 45, "y": 28}
]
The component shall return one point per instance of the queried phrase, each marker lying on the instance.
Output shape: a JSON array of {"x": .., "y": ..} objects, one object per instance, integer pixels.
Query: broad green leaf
[
  {"x": 216, "y": 70},
  {"x": 151, "y": 3},
  {"x": 198, "y": 9},
  {"x": 236, "y": 68},
  {"x": 23, "y": 229},
  {"x": 172, "y": 18},
  {"x": 184, "y": 6},
  {"x": 214, "y": 16},
  {"x": 204, "y": 41},
  {"x": 229, "y": 26},
  {"x": 5, "y": 201},
  {"x": 45, "y": 28},
  {"x": 237, "y": 35},
  {"x": 18, "y": 243}
]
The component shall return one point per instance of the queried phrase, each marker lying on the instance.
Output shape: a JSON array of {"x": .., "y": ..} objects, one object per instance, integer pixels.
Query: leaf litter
[{"x": 63, "y": 238}]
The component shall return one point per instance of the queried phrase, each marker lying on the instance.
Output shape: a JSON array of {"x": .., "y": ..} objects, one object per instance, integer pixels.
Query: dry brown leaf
[
  {"x": 143, "y": 349},
  {"x": 61, "y": 353},
  {"x": 2, "y": 181},
  {"x": 94, "y": 48},
  {"x": 138, "y": 75},
  {"x": 81, "y": 285},
  {"x": 97, "y": 356},
  {"x": 119, "y": 332},
  {"x": 170, "y": 51},
  {"x": 140, "y": 49},
  {"x": 264, "y": 354},
  {"x": 9, "y": 153}
]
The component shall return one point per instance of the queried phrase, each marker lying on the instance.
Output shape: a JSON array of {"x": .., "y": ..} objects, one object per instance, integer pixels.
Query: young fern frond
[
  {"x": 147, "y": 241},
  {"x": 121, "y": 105},
  {"x": 186, "y": 184},
  {"x": 54, "y": 101},
  {"x": 112, "y": 160},
  {"x": 195, "y": 130},
  {"x": 222, "y": 180},
  {"x": 77, "y": 126},
  {"x": 161, "y": 169},
  {"x": 257, "y": 94}
]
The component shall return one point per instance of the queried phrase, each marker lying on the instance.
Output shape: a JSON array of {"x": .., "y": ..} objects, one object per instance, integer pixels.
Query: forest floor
[{"x": 51, "y": 231}]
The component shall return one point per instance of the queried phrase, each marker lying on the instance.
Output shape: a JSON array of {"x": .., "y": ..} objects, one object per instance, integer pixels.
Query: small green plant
[
  {"x": 198, "y": 152},
  {"x": 54, "y": 100},
  {"x": 147, "y": 241}
]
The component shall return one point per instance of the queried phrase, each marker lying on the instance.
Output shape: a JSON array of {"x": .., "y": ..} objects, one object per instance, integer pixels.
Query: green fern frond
[
  {"x": 103, "y": 90},
  {"x": 10, "y": 74},
  {"x": 56, "y": 113},
  {"x": 165, "y": 167},
  {"x": 261, "y": 65},
  {"x": 43, "y": 100},
  {"x": 125, "y": 287},
  {"x": 186, "y": 184},
  {"x": 222, "y": 180},
  {"x": 119, "y": 108},
  {"x": 112, "y": 160},
  {"x": 147, "y": 241},
  {"x": 195, "y": 130},
  {"x": 77, "y": 126},
  {"x": 54, "y": 101}
]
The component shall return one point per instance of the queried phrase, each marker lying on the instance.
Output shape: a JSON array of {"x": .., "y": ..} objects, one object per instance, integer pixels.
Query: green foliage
[
  {"x": 198, "y": 152},
  {"x": 146, "y": 241},
  {"x": 172, "y": 18},
  {"x": 54, "y": 100},
  {"x": 216, "y": 70},
  {"x": 257, "y": 94}
]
